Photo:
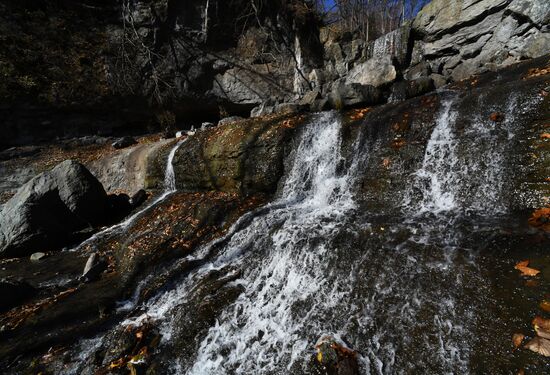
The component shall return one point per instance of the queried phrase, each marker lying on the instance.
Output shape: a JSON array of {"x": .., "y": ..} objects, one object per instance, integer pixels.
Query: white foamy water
[
  {"x": 286, "y": 247},
  {"x": 464, "y": 165}
]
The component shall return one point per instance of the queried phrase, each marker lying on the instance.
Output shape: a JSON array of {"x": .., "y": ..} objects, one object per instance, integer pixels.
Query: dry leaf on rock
[
  {"x": 539, "y": 345},
  {"x": 517, "y": 339},
  {"x": 526, "y": 271}
]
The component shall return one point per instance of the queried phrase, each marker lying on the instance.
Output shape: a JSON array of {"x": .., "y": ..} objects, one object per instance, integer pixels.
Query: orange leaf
[
  {"x": 526, "y": 271},
  {"x": 517, "y": 339},
  {"x": 545, "y": 136},
  {"x": 545, "y": 306}
]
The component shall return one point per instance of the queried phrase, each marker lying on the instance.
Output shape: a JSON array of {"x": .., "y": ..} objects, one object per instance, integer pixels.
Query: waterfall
[
  {"x": 284, "y": 255},
  {"x": 411, "y": 292},
  {"x": 169, "y": 188},
  {"x": 437, "y": 177},
  {"x": 463, "y": 173},
  {"x": 170, "y": 175}
]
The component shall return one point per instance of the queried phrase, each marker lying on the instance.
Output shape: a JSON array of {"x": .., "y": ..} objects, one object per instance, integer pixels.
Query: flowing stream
[{"x": 410, "y": 292}]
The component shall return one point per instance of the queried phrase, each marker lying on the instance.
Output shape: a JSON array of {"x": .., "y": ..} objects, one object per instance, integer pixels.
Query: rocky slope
[{"x": 478, "y": 147}]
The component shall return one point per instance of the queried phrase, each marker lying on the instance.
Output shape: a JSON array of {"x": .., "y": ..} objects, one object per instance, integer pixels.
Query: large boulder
[
  {"x": 49, "y": 208},
  {"x": 538, "y": 11},
  {"x": 353, "y": 95},
  {"x": 443, "y": 16},
  {"x": 245, "y": 157},
  {"x": 375, "y": 72}
]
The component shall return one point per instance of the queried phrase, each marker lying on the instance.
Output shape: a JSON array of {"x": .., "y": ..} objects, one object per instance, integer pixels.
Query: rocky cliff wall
[{"x": 125, "y": 64}]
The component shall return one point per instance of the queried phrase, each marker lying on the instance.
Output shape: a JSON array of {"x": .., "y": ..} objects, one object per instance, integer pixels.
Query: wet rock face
[
  {"x": 244, "y": 157},
  {"x": 509, "y": 107},
  {"x": 49, "y": 208},
  {"x": 150, "y": 249}
]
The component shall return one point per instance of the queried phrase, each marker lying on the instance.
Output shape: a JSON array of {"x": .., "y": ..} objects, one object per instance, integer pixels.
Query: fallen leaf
[
  {"x": 526, "y": 271},
  {"x": 532, "y": 283},
  {"x": 320, "y": 357},
  {"x": 545, "y": 306},
  {"x": 386, "y": 162},
  {"x": 517, "y": 339},
  {"x": 521, "y": 372},
  {"x": 541, "y": 219},
  {"x": 545, "y": 136},
  {"x": 542, "y": 327},
  {"x": 496, "y": 117},
  {"x": 539, "y": 345}
]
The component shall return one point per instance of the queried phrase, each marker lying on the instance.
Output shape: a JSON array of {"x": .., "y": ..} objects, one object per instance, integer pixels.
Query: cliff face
[{"x": 74, "y": 68}]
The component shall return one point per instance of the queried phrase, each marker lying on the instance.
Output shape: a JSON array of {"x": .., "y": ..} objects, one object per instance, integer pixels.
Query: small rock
[
  {"x": 180, "y": 133},
  {"x": 206, "y": 125},
  {"x": 376, "y": 72},
  {"x": 288, "y": 108},
  {"x": 124, "y": 142},
  {"x": 334, "y": 357},
  {"x": 93, "y": 268},
  {"x": 422, "y": 69},
  {"x": 438, "y": 79},
  {"x": 138, "y": 198},
  {"x": 262, "y": 110},
  {"x": 310, "y": 97},
  {"x": 37, "y": 256},
  {"x": 230, "y": 119}
]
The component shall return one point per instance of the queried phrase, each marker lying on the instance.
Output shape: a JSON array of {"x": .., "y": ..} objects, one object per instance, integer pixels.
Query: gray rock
[
  {"x": 95, "y": 265},
  {"x": 442, "y": 16},
  {"x": 473, "y": 49},
  {"x": 288, "y": 108},
  {"x": 421, "y": 69},
  {"x": 349, "y": 95},
  {"x": 465, "y": 70},
  {"x": 124, "y": 142},
  {"x": 49, "y": 208},
  {"x": 246, "y": 86},
  {"x": 262, "y": 110},
  {"x": 310, "y": 97},
  {"x": 375, "y": 72},
  {"x": 438, "y": 80},
  {"x": 538, "y": 45},
  {"x": 409, "y": 89},
  {"x": 320, "y": 105},
  {"x": 452, "y": 43},
  {"x": 316, "y": 78},
  {"x": 206, "y": 125},
  {"x": 394, "y": 45},
  {"x": 35, "y": 257},
  {"x": 230, "y": 119},
  {"x": 138, "y": 198},
  {"x": 538, "y": 11}
]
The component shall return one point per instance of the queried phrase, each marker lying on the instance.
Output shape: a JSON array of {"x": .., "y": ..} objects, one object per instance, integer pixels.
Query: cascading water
[
  {"x": 170, "y": 175},
  {"x": 282, "y": 256},
  {"x": 169, "y": 188},
  {"x": 407, "y": 291}
]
